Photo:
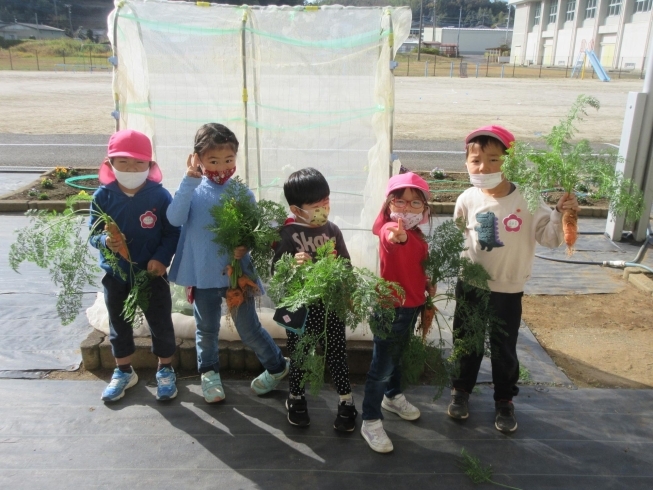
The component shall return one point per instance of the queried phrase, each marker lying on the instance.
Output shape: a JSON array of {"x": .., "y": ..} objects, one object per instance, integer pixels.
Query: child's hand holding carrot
[
  {"x": 567, "y": 202},
  {"x": 302, "y": 257},
  {"x": 239, "y": 252},
  {"x": 431, "y": 288},
  {"x": 156, "y": 268},
  {"x": 397, "y": 234}
]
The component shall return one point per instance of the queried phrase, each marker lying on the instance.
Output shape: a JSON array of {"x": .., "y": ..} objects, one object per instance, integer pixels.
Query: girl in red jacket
[{"x": 402, "y": 251}]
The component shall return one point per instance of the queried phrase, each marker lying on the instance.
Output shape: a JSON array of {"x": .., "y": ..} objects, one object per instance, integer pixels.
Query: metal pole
[
  {"x": 11, "y": 61},
  {"x": 244, "y": 65},
  {"x": 451, "y": 71},
  {"x": 426, "y": 68},
  {"x": 502, "y": 67},
  {"x": 514, "y": 63},
  {"x": 56, "y": 15},
  {"x": 477, "y": 70},
  {"x": 37, "y": 61},
  {"x": 419, "y": 39},
  {"x": 435, "y": 22},
  {"x": 90, "y": 59},
  {"x": 392, "y": 89},
  {"x": 487, "y": 67},
  {"x": 460, "y": 19}
]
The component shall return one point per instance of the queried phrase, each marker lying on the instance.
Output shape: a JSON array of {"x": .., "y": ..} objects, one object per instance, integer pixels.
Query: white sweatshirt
[{"x": 500, "y": 233}]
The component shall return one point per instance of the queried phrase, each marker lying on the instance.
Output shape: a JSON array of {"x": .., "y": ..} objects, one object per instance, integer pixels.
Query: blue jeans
[
  {"x": 207, "y": 312},
  {"x": 384, "y": 377}
]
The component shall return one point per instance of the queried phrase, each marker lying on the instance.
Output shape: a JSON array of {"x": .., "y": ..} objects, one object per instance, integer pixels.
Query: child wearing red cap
[
  {"x": 402, "y": 251},
  {"x": 132, "y": 194},
  {"x": 500, "y": 234}
]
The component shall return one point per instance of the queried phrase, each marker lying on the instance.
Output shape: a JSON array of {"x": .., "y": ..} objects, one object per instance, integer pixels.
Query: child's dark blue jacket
[{"x": 142, "y": 219}]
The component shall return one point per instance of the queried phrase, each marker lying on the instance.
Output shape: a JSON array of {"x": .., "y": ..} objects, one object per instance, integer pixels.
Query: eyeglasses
[{"x": 400, "y": 203}]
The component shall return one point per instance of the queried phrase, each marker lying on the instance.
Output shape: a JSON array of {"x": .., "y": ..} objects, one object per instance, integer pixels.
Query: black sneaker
[
  {"x": 458, "y": 407},
  {"x": 505, "y": 420},
  {"x": 346, "y": 419},
  {"x": 298, "y": 412}
]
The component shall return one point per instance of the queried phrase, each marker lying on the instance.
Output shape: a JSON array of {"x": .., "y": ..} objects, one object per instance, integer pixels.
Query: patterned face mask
[
  {"x": 219, "y": 177},
  {"x": 411, "y": 220},
  {"x": 316, "y": 216}
]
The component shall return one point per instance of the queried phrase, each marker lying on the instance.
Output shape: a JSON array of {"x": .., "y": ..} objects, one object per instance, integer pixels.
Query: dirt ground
[{"x": 599, "y": 340}]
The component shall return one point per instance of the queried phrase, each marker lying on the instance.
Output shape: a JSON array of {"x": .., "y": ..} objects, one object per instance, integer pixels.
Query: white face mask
[
  {"x": 411, "y": 220},
  {"x": 486, "y": 181},
  {"x": 131, "y": 180}
]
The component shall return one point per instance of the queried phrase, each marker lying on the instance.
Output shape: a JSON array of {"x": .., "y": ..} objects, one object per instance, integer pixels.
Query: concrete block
[
  {"x": 236, "y": 356},
  {"x": 224, "y": 354},
  {"x": 359, "y": 356},
  {"x": 90, "y": 348},
  {"x": 142, "y": 357},
  {"x": 187, "y": 355},
  {"x": 58, "y": 206},
  {"x": 631, "y": 270},
  {"x": 12, "y": 206},
  {"x": 641, "y": 281},
  {"x": 252, "y": 363},
  {"x": 82, "y": 205},
  {"x": 448, "y": 207}
]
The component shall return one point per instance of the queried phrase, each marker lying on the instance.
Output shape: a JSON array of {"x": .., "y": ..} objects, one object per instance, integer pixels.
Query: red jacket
[{"x": 402, "y": 263}]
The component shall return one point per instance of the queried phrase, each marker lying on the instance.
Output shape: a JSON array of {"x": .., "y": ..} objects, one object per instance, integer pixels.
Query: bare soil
[{"x": 50, "y": 187}]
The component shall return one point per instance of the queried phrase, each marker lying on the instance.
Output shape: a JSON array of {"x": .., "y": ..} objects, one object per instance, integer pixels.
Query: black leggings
[{"x": 336, "y": 352}]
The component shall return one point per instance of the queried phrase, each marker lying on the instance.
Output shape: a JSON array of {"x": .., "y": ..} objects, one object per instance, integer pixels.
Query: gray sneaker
[
  {"x": 458, "y": 407},
  {"x": 505, "y": 420}
]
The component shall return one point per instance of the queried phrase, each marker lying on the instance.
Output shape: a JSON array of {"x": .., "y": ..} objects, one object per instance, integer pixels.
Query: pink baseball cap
[
  {"x": 133, "y": 144},
  {"x": 498, "y": 132},
  {"x": 401, "y": 181}
]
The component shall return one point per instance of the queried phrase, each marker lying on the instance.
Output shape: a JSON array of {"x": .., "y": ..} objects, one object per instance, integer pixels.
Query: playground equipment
[{"x": 585, "y": 55}]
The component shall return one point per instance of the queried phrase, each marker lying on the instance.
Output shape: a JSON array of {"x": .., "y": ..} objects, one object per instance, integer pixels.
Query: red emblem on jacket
[{"x": 148, "y": 219}]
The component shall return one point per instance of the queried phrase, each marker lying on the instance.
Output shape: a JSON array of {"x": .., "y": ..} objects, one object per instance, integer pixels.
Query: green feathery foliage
[
  {"x": 475, "y": 470},
  {"x": 446, "y": 266},
  {"x": 355, "y": 295},
  {"x": 568, "y": 166},
  {"x": 241, "y": 221},
  {"x": 54, "y": 241}
]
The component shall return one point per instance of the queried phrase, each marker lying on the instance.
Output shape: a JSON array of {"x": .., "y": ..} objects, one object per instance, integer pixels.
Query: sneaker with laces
[
  {"x": 505, "y": 420},
  {"x": 346, "y": 419},
  {"x": 458, "y": 407},
  {"x": 120, "y": 381},
  {"x": 266, "y": 382},
  {"x": 212, "y": 387},
  {"x": 298, "y": 412},
  {"x": 166, "y": 389},
  {"x": 374, "y": 434},
  {"x": 401, "y": 407}
]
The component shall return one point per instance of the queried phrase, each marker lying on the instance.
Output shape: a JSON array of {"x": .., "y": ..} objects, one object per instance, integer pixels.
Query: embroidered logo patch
[
  {"x": 512, "y": 223},
  {"x": 148, "y": 219}
]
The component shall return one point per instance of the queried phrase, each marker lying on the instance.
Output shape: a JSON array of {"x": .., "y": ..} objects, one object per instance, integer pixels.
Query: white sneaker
[
  {"x": 401, "y": 407},
  {"x": 373, "y": 432}
]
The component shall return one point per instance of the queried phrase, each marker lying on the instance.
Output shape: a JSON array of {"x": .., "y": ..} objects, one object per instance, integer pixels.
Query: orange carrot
[
  {"x": 114, "y": 232},
  {"x": 245, "y": 282},
  {"x": 234, "y": 297},
  {"x": 570, "y": 229},
  {"x": 426, "y": 319}
]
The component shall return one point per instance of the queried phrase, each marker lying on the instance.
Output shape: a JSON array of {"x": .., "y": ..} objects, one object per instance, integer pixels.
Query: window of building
[
  {"x": 614, "y": 8},
  {"x": 538, "y": 13},
  {"x": 571, "y": 8},
  {"x": 590, "y": 11},
  {"x": 553, "y": 13},
  {"x": 643, "y": 5}
]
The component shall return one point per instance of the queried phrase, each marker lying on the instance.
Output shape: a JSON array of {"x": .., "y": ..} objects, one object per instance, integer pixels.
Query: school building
[
  {"x": 21, "y": 30},
  {"x": 557, "y": 32}
]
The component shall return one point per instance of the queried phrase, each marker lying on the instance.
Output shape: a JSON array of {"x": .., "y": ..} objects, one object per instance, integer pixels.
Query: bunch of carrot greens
[
  {"x": 241, "y": 221},
  {"x": 56, "y": 242},
  {"x": 571, "y": 166}
]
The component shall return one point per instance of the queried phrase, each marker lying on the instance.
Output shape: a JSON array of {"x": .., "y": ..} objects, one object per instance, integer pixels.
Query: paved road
[{"x": 89, "y": 150}]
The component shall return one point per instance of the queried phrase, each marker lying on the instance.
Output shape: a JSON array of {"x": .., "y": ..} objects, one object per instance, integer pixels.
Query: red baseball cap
[
  {"x": 401, "y": 181},
  {"x": 498, "y": 132},
  {"x": 130, "y": 143}
]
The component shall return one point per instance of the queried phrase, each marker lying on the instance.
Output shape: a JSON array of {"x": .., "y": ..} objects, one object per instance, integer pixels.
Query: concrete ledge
[
  {"x": 641, "y": 281},
  {"x": 585, "y": 211},
  {"x": 58, "y": 206},
  {"x": 13, "y": 206},
  {"x": 234, "y": 355}
]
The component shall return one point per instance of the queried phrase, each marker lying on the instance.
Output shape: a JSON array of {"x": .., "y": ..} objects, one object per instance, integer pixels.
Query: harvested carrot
[
  {"x": 114, "y": 232},
  {"x": 245, "y": 282},
  {"x": 234, "y": 297},
  {"x": 570, "y": 229},
  {"x": 426, "y": 318}
]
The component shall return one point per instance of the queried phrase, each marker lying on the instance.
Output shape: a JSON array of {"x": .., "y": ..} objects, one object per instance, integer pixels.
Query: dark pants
[
  {"x": 336, "y": 351},
  {"x": 506, "y": 307},
  {"x": 158, "y": 317},
  {"x": 384, "y": 377}
]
